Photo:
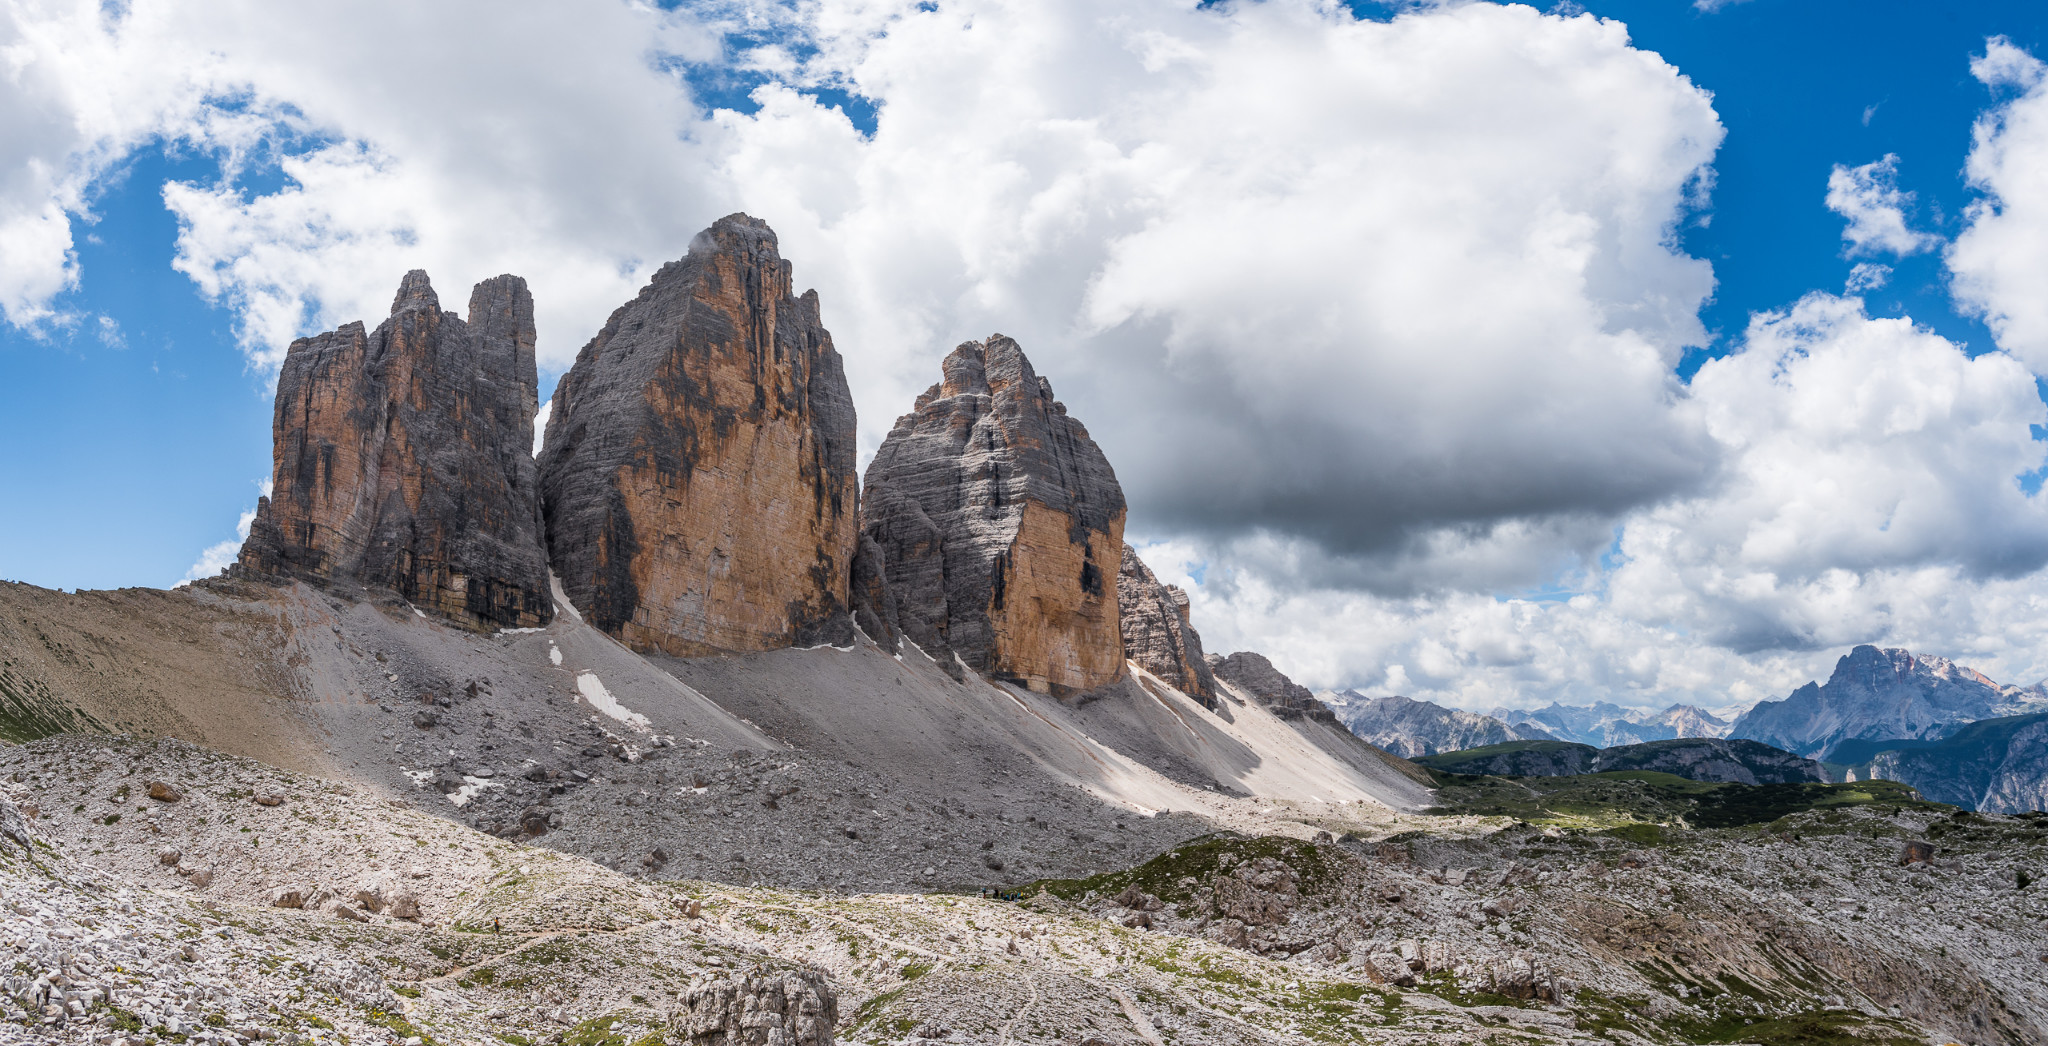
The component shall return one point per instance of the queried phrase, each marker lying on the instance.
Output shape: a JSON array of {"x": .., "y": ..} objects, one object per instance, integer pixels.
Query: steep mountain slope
[
  {"x": 1405, "y": 726},
  {"x": 550, "y": 734},
  {"x": 1882, "y": 695},
  {"x": 1998, "y": 765}
]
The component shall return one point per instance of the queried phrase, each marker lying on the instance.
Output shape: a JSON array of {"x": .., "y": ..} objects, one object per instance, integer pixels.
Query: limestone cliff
[
  {"x": 1153, "y": 618},
  {"x": 698, "y": 474},
  {"x": 403, "y": 460},
  {"x": 999, "y": 523}
]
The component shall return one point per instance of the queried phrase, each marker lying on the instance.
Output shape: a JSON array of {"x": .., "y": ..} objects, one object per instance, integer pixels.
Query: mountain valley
[{"x": 684, "y": 731}]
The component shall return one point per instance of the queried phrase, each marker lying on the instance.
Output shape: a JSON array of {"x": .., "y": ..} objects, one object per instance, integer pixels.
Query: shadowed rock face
[
  {"x": 1000, "y": 525},
  {"x": 403, "y": 460},
  {"x": 1154, "y": 620},
  {"x": 698, "y": 476}
]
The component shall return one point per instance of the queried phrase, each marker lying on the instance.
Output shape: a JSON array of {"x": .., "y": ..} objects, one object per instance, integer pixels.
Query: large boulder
[
  {"x": 762, "y": 1008},
  {"x": 403, "y": 460},
  {"x": 1153, "y": 618},
  {"x": 1000, "y": 526},
  {"x": 698, "y": 472}
]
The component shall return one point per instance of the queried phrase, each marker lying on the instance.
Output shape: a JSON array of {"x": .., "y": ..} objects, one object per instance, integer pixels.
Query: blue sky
[{"x": 138, "y": 413}]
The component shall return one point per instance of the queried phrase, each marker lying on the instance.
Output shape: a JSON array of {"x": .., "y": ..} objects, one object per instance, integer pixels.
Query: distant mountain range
[
  {"x": 1884, "y": 695},
  {"x": 1605, "y": 725},
  {"x": 1950, "y": 731},
  {"x": 1411, "y": 728}
]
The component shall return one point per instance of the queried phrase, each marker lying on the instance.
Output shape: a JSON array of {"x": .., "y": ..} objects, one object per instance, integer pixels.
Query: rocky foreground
[{"x": 160, "y": 892}]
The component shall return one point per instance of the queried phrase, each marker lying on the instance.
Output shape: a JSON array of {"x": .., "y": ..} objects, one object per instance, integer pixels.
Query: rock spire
[
  {"x": 1154, "y": 620},
  {"x": 403, "y": 460},
  {"x": 698, "y": 474},
  {"x": 999, "y": 525}
]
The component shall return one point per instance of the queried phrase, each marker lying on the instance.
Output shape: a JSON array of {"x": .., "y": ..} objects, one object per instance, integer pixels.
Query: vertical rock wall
[
  {"x": 698, "y": 475},
  {"x": 1154, "y": 620},
  {"x": 1000, "y": 525},
  {"x": 403, "y": 460}
]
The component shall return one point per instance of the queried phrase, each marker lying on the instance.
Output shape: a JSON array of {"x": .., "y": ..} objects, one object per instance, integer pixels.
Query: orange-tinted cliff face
[
  {"x": 999, "y": 525},
  {"x": 698, "y": 473},
  {"x": 403, "y": 460}
]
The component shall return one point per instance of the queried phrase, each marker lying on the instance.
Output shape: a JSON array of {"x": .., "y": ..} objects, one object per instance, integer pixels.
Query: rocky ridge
[
  {"x": 1693, "y": 758},
  {"x": 1887, "y": 694},
  {"x": 698, "y": 470},
  {"x": 403, "y": 460},
  {"x": 1604, "y": 724},
  {"x": 997, "y": 520},
  {"x": 1156, "y": 632},
  {"x": 1411, "y": 728},
  {"x": 1252, "y": 673},
  {"x": 1996, "y": 765}
]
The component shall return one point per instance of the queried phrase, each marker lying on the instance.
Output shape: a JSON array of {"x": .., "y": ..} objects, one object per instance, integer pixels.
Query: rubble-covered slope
[{"x": 261, "y": 905}]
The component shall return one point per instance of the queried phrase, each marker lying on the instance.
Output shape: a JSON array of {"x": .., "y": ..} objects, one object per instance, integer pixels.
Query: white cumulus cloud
[
  {"x": 1870, "y": 197},
  {"x": 2000, "y": 260},
  {"x": 221, "y": 555},
  {"x": 1378, "y": 320},
  {"x": 1868, "y": 494}
]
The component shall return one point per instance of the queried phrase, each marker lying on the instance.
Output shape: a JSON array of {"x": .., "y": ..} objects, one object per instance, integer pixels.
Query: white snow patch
[
  {"x": 471, "y": 788},
  {"x": 601, "y": 699},
  {"x": 519, "y": 631},
  {"x": 561, "y": 598},
  {"x": 420, "y": 777},
  {"x": 555, "y": 655}
]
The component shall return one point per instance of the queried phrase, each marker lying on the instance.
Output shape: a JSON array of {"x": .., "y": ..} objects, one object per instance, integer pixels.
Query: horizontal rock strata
[
  {"x": 1000, "y": 523},
  {"x": 403, "y": 459},
  {"x": 698, "y": 473}
]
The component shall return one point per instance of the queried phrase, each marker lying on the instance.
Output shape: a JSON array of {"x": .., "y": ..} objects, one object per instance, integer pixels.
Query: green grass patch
[
  {"x": 1630, "y": 804},
  {"x": 1201, "y": 860}
]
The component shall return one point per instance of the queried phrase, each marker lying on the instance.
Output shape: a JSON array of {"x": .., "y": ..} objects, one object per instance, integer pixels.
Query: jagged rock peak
[
  {"x": 415, "y": 291},
  {"x": 698, "y": 472},
  {"x": 998, "y": 520},
  {"x": 402, "y": 460},
  {"x": 1153, "y": 618},
  {"x": 1881, "y": 694},
  {"x": 1257, "y": 677}
]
